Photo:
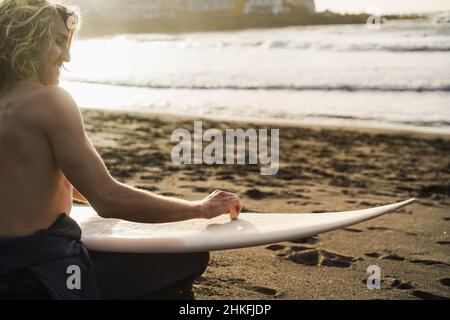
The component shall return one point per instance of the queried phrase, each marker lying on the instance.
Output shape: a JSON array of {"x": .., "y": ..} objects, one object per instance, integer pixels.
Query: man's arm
[{"x": 81, "y": 164}]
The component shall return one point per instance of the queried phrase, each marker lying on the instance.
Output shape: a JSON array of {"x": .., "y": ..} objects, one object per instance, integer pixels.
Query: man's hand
[{"x": 221, "y": 202}]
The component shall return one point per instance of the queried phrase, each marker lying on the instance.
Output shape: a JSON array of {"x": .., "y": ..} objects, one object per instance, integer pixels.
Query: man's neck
[
  {"x": 34, "y": 79},
  {"x": 12, "y": 85}
]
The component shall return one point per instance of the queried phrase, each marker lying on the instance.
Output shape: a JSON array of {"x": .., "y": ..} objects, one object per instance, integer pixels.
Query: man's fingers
[
  {"x": 229, "y": 202},
  {"x": 235, "y": 209},
  {"x": 222, "y": 193}
]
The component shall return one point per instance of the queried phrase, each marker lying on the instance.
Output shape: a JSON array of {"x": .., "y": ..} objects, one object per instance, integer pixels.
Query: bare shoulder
[
  {"x": 52, "y": 105},
  {"x": 53, "y": 97}
]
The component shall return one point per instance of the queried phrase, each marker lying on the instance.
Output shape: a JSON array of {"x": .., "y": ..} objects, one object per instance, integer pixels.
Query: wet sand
[{"x": 321, "y": 169}]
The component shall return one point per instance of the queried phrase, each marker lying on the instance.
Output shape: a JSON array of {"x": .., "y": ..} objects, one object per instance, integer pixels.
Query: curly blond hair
[{"x": 25, "y": 31}]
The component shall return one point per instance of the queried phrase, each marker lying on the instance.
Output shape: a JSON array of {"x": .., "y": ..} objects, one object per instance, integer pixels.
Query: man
[{"x": 46, "y": 161}]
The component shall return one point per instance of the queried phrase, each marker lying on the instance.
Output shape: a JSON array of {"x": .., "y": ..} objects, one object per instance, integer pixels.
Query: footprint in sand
[
  {"x": 425, "y": 203},
  {"x": 200, "y": 189},
  {"x": 310, "y": 240},
  {"x": 311, "y": 256},
  {"x": 372, "y": 254},
  {"x": 169, "y": 194},
  {"x": 378, "y": 228},
  {"x": 242, "y": 283},
  {"x": 389, "y": 282},
  {"x": 445, "y": 282},
  {"x": 391, "y": 229},
  {"x": 403, "y": 285},
  {"x": 427, "y": 295},
  {"x": 393, "y": 257},
  {"x": 353, "y": 230},
  {"x": 264, "y": 290},
  {"x": 314, "y": 257},
  {"x": 148, "y": 188},
  {"x": 275, "y": 247},
  {"x": 259, "y": 289},
  {"x": 257, "y": 194},
  {"x": 428, "y": 262},
  {"x": 283, "y": 251}
]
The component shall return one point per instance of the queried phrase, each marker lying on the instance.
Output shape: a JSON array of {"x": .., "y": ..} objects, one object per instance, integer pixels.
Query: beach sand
[{"x": 321, "y": 169}]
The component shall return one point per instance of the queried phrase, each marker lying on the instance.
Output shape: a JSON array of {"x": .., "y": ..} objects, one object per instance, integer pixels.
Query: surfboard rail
[{"x": 198, "y": 235}]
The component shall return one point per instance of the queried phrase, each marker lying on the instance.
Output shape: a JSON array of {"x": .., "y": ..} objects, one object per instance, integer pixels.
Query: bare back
[
  {"x": 44, "y": 150},
  {"x": 33, "y": 190}
]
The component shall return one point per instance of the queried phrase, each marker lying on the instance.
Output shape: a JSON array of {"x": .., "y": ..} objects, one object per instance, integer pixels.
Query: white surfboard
[{"x": 220, "y": 233}]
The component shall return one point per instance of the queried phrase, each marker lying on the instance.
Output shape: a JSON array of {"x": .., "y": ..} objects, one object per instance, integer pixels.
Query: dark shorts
[
  {"x": 158, "y": 276},
  {"x": 36, "y": 267}
]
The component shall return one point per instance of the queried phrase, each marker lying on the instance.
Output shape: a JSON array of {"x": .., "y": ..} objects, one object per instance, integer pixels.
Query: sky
[{"x": 384, "y": 6}]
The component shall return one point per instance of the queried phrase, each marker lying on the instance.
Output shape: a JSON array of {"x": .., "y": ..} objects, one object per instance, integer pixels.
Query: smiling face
[{"x": 56, "y": 54}]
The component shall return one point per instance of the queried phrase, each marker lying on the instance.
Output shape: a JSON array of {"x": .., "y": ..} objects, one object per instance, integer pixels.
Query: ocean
[{"x": 395, "y": 77}]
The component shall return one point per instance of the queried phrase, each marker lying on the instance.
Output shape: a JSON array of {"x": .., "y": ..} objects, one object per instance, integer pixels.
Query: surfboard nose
[{"x": 406, "y": 202}]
